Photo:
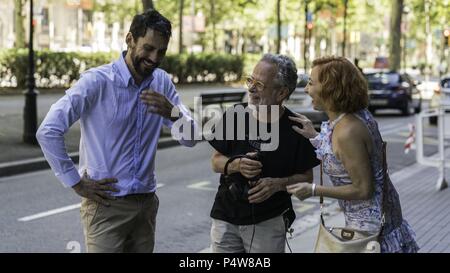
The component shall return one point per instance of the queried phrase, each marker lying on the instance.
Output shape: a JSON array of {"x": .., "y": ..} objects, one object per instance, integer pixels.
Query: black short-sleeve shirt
[{"x": 294, "y": 155}]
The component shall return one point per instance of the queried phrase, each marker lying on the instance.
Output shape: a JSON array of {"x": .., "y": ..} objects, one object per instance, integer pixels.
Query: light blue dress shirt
[{"x": 119, "y": 137}]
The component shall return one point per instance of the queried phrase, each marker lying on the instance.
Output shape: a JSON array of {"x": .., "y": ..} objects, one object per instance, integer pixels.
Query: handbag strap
[
  {"x": 321, "y": 196},
  {"x": 385, "y": 175}
]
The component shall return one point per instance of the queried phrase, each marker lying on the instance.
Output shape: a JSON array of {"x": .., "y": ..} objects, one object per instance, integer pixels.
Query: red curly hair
[{"x": 344, "y": 87}]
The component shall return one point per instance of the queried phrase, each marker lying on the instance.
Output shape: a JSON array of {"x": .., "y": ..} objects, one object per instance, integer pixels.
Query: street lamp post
[{"x": 30, "y": 109}]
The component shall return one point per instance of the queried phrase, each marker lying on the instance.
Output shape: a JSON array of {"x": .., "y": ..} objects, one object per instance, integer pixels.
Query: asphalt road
[{"x": 39, "y": 215}]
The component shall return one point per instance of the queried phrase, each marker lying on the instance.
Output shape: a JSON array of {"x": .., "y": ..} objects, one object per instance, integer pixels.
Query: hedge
[{"x": 61, "y": 69}]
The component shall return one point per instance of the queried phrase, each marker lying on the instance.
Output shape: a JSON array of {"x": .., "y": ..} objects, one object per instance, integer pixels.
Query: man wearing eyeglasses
[{"x": 252, "y": 209}]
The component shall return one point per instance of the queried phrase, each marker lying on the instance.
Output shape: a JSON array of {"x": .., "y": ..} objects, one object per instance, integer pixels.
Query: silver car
[{"x": 441, "y": 96}]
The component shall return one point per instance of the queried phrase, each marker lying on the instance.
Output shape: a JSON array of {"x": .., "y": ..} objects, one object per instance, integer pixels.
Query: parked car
[
  {"x": 300, "y": 102},
  {"x": 393, "y": 90},
  {"x": 441, "y": 96}
]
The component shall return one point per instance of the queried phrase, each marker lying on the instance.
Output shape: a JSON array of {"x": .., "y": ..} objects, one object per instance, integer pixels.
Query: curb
[{"x": 40, "y": 163}]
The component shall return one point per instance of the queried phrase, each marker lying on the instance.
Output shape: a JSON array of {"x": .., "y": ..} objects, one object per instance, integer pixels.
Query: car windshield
[
  {"x": 445, "y": 83},
  {"x": 382, "y": 78}
]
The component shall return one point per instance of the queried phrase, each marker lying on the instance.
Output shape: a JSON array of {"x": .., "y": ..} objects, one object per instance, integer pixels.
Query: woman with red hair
[{"x": 351, "y": 149}]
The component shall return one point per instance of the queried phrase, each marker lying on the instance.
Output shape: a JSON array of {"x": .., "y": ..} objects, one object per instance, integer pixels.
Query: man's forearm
[
  {"x": 50, "y": 136},
  {"x": 297, "y": 178},
  {"x": 53, "y": 148},
  {"x": 219, "y": 162}
]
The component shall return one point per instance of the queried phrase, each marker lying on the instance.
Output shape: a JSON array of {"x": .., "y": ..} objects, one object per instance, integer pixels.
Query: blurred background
[{"x": 409, "y": 35}]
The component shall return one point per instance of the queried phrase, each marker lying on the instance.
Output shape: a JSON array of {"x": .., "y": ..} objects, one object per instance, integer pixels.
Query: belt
[{"x": 134, "y": 195}]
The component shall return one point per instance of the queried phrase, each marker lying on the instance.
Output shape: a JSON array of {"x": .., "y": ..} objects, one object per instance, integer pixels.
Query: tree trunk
[
  {"x": 147, "y": 4},
  {"x": 344, "y": 40},
  {"x": 180, "y": 35},
  {"x": 213, "y": 21},
  {"x": 19, "y": 24},
  {"x": 305, "y": 40},
  {"x": 278, "y": 26},
  {"x": 395, "y": 50}
]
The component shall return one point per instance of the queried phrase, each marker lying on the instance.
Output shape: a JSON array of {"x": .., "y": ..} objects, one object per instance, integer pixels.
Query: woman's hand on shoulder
[{"x": 305, "y": 127}]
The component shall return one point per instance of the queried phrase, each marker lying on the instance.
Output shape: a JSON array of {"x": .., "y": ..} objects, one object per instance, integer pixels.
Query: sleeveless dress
[{"x": 397, "y": 234}]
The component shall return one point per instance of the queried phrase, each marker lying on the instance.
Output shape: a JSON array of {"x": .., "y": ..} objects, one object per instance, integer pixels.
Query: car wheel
[
  {"x": 408, "y": 109},
  {"x": 432, "y": 120}
]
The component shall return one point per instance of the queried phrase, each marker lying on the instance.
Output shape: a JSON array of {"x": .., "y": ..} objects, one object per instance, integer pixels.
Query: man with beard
[
  {"x": 252, "y": 210},
  {"x": 121, "y": 107}
]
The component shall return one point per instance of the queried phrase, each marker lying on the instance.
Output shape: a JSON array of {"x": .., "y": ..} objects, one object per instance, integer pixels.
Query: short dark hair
[{"x": 150, "y": 19}]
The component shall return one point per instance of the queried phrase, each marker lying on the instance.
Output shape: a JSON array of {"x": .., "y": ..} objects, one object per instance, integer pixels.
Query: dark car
[
  {"x": 393, "y": 90},
  {"x": 300, "y": 102}
]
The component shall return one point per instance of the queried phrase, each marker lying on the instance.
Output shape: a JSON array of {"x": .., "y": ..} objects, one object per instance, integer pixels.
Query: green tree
[
  {"x": 212, "y": 13},
  {"x": 439, "y": 14},
  {"x": 19, "y": 19},
  {"x": 395, "y": 49},
  {"x": 116, "y": 11},
  {"x": 344, "y": 40},
  {"x": 314, "y": 7},
  {"x": 278, "y": 43},
  {"x": 180, "y": 20}
]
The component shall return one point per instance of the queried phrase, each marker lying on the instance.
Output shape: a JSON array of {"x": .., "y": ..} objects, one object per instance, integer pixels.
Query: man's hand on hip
[{"x": 96, "y": 190}]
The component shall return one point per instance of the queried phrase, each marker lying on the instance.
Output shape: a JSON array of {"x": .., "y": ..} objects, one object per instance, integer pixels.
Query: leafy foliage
[{"x": 61, "y": 69}]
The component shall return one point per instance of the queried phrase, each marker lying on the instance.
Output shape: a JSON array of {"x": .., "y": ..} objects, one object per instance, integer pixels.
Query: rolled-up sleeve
[{"x": 59, "y": 119}]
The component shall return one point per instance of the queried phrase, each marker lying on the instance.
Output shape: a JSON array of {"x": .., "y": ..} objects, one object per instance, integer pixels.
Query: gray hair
[{"x": 287, "y": 70}]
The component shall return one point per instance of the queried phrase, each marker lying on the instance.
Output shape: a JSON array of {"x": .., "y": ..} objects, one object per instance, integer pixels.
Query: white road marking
[
  {"x": 203, "y": 185},
  {"x": 59, "y": 210},
  {"x": 49, "y": 213}
]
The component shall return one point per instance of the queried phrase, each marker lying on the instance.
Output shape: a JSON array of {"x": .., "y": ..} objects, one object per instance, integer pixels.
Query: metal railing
[{"x": 443, "y": 132}]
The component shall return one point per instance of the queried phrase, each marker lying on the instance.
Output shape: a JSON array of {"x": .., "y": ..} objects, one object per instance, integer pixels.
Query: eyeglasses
[{"x": 252, "y": 82}]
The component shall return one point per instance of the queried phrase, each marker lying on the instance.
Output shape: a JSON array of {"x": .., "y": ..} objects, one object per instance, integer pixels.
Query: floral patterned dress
[{"x": 397, "y": 235}]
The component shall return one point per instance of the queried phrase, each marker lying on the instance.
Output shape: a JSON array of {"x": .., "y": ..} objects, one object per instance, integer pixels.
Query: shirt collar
[
  {"x": 125, "y": 73},
  {"x": 122, "y": 69}
]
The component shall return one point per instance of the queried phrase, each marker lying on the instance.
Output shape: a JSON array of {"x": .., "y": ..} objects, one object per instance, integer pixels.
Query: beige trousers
[
  {"x": 127, "y": 225},
  {"x": 268, "y": 237}
]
